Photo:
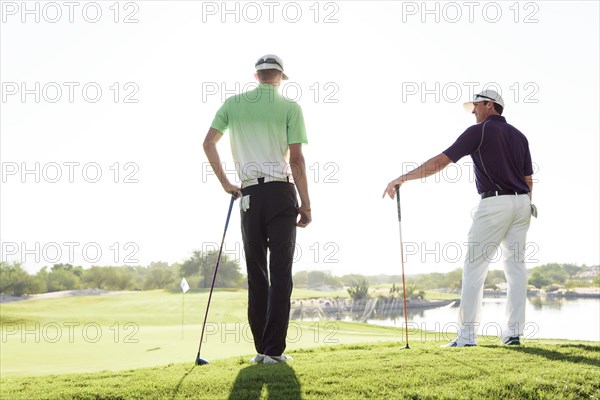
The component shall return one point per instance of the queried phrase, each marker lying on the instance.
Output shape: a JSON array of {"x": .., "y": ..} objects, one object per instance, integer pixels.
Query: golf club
[
  {"x": 402, "y": 259},
  {"x": 200, "y": 360}
]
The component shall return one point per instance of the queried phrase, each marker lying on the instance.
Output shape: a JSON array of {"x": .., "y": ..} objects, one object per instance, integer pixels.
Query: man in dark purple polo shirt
[{"x": 503, "y": 171}]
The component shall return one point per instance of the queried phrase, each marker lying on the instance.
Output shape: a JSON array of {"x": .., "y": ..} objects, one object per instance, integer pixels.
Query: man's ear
[{"x": 256, "y": 76}]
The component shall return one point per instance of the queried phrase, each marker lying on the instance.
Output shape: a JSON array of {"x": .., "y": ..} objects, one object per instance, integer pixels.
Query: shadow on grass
[
  {"x": 558, "y": 356},
  {"x": 280, "y": 381},
  {"x": 176, "y": 391},
  {"x": 585, "y": 347}
]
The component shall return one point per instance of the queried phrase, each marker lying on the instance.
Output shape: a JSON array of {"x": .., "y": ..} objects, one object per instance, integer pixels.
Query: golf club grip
[
  {"x": 398, "y": 202},
  {"x": 228, "y": 217}
]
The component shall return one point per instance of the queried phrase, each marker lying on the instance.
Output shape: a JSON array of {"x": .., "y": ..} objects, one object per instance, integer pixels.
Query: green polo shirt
[{"x": 262, "y": 124}]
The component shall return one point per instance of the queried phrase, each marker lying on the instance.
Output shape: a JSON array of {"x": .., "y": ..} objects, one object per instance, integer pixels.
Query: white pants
[{"x": 498, "y": 232}]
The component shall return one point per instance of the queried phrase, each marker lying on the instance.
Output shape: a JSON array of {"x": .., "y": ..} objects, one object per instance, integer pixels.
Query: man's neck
[{"x": 276, "y": 84}]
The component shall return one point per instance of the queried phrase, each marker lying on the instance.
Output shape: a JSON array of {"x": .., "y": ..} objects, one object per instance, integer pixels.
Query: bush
[
  {"x": 538, "y": 280},
  {"x": 14, "y": 280},
  {"x": 359, "y": 290},
  {"x": 411, "y": 292},
  {"x": 577, "y": 283}
]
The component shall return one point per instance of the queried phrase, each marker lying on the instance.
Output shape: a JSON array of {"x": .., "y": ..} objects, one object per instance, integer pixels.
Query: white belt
[{"x": 265, "y": 179}]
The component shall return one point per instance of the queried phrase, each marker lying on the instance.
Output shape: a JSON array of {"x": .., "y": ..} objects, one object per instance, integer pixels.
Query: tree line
[
  {"x": 568, "y": 275},
  {"x": 320, "y": 279},
  {"x": 198, "y": 271}
]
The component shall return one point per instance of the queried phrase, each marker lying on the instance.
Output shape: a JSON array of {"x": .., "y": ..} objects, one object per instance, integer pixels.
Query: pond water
[{"x": 546, "y": 318}]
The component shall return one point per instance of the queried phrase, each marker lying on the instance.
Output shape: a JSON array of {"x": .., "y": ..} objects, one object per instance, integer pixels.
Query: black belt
[
  {"x": 261, "y": 180},
  {"x": 491, "y": 193}
]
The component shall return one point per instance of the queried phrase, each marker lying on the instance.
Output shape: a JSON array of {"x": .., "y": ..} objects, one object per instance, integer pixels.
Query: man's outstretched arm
[{"x": 430, "y": 167}]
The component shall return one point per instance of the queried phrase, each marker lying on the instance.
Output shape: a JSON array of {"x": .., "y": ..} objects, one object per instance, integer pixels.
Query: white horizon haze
[{"x": 105, "y": 105}]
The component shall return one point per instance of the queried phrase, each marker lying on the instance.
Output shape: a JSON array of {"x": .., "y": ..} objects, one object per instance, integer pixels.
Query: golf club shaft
[
  {"x": 212, "y": 286},
  {"x": 402, "y": 260}
]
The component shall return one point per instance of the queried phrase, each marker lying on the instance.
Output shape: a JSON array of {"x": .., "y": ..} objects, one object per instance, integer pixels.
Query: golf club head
[{"x": 201, "y": 361}]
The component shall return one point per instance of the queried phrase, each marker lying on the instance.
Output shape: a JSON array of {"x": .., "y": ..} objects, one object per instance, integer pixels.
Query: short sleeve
[
  {"x": 296, "y": 131},
  {"x": 221, "y": 120},
  {"x": 466, "y": 144}
]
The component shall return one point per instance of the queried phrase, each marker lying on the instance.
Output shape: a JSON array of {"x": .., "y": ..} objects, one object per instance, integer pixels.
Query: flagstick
[{"x": 184, "y": 288}]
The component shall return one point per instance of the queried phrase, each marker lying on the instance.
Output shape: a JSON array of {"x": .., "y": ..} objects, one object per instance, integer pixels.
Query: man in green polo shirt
[{"x": 267, "y": 132}]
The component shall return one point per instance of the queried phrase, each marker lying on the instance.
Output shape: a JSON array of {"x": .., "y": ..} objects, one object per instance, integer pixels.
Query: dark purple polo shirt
[{"x": 500, "y": 153}]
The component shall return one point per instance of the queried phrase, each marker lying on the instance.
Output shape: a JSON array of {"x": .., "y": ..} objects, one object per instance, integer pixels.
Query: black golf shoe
[{"x": 513, "y": 341}]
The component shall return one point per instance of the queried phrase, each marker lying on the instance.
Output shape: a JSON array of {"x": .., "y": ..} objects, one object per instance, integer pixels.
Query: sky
[{"x": 105, "y": 106}]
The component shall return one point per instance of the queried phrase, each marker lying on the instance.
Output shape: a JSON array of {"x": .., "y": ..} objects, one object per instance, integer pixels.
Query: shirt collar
[
  {"x": 496, "y": 117},
  {"x": 266, "y": 86}
]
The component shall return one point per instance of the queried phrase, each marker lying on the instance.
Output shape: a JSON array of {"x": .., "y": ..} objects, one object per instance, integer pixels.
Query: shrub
[{"x": 359, "y": 290}]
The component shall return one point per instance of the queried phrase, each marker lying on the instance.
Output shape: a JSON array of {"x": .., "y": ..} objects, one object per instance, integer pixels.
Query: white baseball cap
[
  {"x": 485, "y": 95},
  {"x": 270, "y": 61}
]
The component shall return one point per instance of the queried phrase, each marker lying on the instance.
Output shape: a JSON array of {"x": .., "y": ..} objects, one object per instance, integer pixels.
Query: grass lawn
[
  {"x": 130, "y": 346},
  {"x": 363, "y": 371},
  {"x": 143, "y": 329}
]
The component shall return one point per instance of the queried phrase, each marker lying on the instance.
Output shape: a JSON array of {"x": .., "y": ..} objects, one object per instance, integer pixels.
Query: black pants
[{"x": 269, "y": 223}]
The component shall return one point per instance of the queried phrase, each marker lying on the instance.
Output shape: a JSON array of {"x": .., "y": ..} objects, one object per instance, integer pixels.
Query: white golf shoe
[
  {"x": 277, "y": 359},
  {"x": 458, "y": 343}
]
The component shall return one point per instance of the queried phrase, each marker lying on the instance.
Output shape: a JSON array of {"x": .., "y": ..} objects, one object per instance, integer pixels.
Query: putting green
[{"x": 143, "y": 329}]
